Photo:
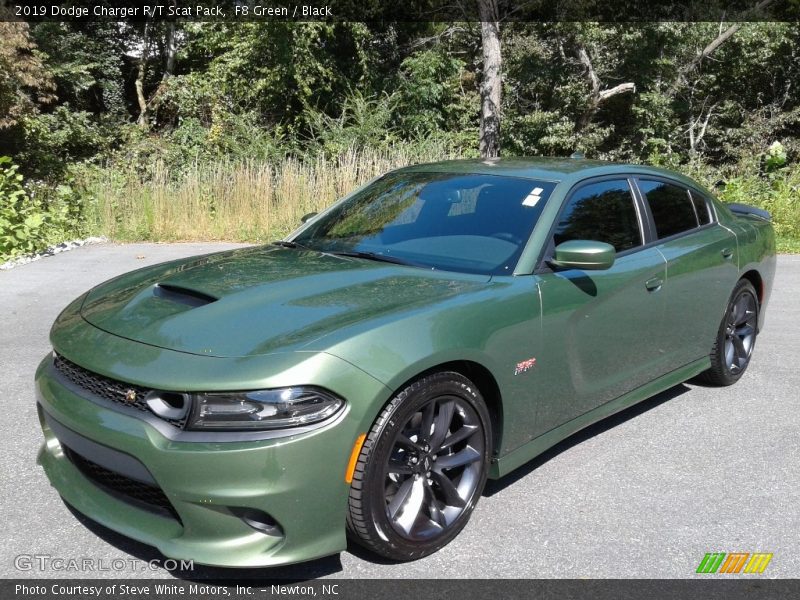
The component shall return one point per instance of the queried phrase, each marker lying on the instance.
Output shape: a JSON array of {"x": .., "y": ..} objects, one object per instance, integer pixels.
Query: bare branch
[
  {"x": 622, "y": 88},
  {"x": 695, "y": 136},
  {"x": 706, "y": 52},
  {"x": 435, "y": 39},
  {"x": 705, "y": 123},
  {"x": 596, "y": 95}
]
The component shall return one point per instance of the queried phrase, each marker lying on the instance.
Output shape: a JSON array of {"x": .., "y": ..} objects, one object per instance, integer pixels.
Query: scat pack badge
[{"x": 525, "y": 365}]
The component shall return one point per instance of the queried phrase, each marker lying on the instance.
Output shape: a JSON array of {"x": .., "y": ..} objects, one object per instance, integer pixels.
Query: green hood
[{"x": 261, "y": 300}]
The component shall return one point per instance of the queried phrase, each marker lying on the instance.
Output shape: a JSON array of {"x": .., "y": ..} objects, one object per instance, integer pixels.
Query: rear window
[{"x": 672, "y": 207}]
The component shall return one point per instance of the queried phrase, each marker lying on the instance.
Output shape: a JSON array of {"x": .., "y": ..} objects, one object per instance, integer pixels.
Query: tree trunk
[
  {"x": 492, "y": 82},
  {"x": 170, "y": 49},
  {"x": 170, "y": 52},
  {"x": 140, "y": 98},
  {"x": 146, "y": 107}
]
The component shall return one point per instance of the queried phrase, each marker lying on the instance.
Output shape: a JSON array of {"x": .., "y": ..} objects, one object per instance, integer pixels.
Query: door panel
[
  {"x": 598, "y": 335},
  {"x": 701, "y": 268},
  {"x": 699, "y": 281}
]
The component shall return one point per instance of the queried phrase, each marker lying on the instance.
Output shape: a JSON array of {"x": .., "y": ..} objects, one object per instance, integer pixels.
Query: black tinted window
[
  {"x": 701, "y": 206},
  {"x": 603, "y": 212},
  {"x": 672, "y": 208}
]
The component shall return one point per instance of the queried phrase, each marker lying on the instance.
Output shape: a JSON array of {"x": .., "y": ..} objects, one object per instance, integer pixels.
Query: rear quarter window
[
  {"x": 672, "y": 206},
  {"x": 701, "y": 207}
]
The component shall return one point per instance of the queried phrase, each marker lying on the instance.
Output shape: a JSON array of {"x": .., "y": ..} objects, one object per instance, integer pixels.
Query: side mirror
[
  {"x": 584, "y": 254},
  {"x": 307, "y": 216}
]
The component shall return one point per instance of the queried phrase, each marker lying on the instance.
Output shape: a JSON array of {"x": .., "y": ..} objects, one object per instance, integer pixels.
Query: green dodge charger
[{"x": 364, "y": 376}]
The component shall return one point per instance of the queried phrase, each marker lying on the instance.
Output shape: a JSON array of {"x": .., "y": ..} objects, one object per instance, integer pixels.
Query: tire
[
  {"x": 404, "y": 504},
  {"x": 736, "y": 337}
]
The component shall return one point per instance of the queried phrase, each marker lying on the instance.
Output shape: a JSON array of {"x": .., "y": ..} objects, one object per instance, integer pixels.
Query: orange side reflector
[{"x": 351, "y": 466}]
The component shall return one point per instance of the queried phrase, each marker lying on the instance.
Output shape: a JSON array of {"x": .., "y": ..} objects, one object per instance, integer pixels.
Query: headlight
[{"x": 262, "y": 409}]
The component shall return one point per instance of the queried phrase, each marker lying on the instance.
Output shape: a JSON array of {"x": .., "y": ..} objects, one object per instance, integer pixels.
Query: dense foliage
[{"x": 109, "y": 121}]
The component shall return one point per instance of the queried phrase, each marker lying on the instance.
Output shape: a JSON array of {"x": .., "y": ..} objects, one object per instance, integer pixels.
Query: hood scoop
[{"x": 182, "y": 295}]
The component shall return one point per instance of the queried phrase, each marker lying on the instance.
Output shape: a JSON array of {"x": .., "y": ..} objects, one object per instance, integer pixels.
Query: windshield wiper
[
  {"x": 288, "y": 244},
  {"x": 369, "y": 256},
  {"x": 349, "y": 253}
]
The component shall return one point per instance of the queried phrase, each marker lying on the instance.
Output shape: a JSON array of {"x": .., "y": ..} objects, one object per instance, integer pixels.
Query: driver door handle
[{"x": 654, "y": 284}]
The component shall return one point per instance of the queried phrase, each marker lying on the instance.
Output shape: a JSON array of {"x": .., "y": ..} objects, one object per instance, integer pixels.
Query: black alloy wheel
[
  {"x": 422, "y": 468},
  {"x": 736, "y": 337}
]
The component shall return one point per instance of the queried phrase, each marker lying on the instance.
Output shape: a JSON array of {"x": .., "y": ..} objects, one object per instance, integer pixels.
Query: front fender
[{"x": 497, "y": 329}]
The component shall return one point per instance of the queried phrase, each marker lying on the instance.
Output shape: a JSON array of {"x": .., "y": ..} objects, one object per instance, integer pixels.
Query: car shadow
[
  {"x": 257, "y": 575},
  {"x": 494, "y": 486}
]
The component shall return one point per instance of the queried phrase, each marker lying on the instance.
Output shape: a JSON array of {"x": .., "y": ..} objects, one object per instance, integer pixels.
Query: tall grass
[
  {"x": 256, "y": 201},
  {"x": 234, "y": 200}
]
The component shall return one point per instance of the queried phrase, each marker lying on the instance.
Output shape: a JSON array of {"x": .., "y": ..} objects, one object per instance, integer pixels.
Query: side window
[
  {"x": 671, "y": 205},
  {"x": 604, "y": 212},
  {"x": 701, "y": 207}
]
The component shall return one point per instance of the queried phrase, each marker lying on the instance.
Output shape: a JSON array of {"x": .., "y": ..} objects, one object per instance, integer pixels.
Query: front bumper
[{"x": 298, "y": 480}]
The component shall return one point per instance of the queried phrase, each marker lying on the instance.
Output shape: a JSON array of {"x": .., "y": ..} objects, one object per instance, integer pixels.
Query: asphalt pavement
[{"x": 644, "y": 494}]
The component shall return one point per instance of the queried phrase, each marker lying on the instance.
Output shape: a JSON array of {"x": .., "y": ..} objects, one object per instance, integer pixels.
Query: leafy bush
[
  {"x": 54, "y": 140},
  {"x": 775, "y": 156},
  {"x": 779, "y": 194},
  {"x": 21, "y": 217},
  {"x": 437, "y": 94},
  {"x": 364, "y": 122},
  {"x": 34, "y": 215},
  {"x": 777, "y": 191}
]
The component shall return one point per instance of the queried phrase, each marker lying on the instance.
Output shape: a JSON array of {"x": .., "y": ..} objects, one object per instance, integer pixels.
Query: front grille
[
  {"x": 124, "y": 394},
  {"x": 110, "y": 389},
  {"x": 141, "y": 495}
]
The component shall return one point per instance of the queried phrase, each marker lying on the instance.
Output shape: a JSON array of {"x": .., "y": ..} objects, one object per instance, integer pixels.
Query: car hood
[{"x": 261, "y": 300}]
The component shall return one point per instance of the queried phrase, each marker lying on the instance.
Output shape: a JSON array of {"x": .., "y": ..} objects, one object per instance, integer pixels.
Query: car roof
[{"x": 544, "y": 169}]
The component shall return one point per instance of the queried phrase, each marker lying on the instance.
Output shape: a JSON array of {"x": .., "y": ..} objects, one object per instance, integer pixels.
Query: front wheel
[
  {"x": 736, "y": 337},
  {"x": 421, "y": 469}
]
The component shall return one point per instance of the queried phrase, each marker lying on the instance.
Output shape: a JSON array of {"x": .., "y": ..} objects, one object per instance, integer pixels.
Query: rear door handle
[
  {"x": 654, "y": 284},
  {"x": 727, "y": 253}
]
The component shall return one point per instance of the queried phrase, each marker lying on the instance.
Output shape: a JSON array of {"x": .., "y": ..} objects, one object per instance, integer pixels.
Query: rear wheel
[
  {"x": 421, "y": 469},
  {"x": 736, "y": 337}
]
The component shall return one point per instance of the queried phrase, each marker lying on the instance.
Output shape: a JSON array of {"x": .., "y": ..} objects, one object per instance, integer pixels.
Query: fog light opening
[
  {"x": 168, "y": 405},
  {"x": 174, "y": 400},
  {"x": 258, "y": 520}
]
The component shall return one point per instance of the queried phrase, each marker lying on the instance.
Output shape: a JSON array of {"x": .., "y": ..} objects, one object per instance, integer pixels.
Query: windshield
[{"x": 468, "y": 223}]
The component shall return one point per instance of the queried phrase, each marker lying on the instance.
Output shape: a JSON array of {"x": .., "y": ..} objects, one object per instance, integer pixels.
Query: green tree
[{"x": 25, "y": 82}]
